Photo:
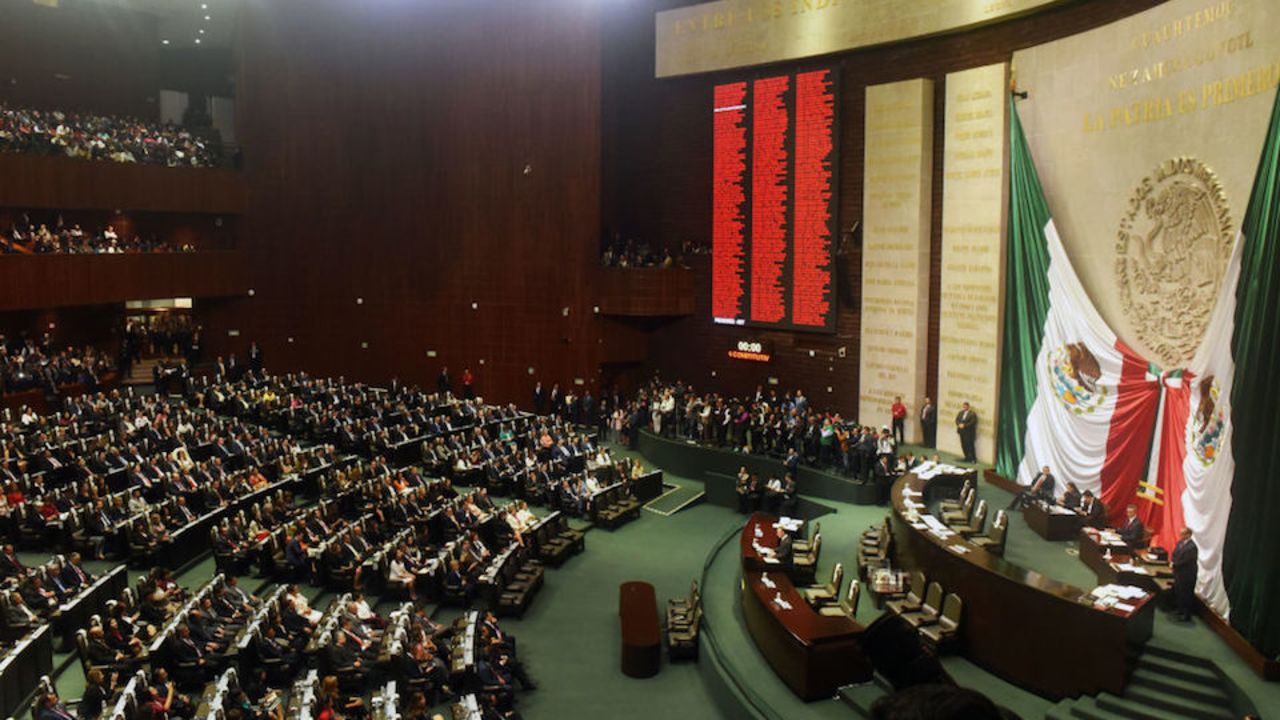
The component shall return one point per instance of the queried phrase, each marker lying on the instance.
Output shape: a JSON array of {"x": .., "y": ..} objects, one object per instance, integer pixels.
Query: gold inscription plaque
[{"x": 737, "y": 33}]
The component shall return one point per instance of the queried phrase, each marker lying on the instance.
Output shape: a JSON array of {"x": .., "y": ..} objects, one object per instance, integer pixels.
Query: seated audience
[{"x": 101, "y": 137}]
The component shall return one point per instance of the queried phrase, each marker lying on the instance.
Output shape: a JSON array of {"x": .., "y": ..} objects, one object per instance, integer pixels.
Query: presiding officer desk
[
  {"x": 814, "y": 655},
  {"x": 1038, "y": 633}
]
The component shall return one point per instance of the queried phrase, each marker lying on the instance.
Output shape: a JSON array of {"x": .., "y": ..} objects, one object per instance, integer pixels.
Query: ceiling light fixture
[
  {"x": 206, "y": 17},
  {"x": 197, "y": 41},
  {"x": 164, "y": 42}
]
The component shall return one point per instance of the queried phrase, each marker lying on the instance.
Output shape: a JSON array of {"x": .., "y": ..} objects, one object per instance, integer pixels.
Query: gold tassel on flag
[{"x": 1150, "y": 493}]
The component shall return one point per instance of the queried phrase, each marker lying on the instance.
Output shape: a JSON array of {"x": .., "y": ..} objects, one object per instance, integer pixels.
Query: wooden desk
[
  {"x": 21, "y": 668},
  {"x": 814, "y": 655},
  {"x": 1154, "y": 577},
  {"x": 1052, "y": 525},
  {"x": 1032, "y": 631},
  {"x": 1094, "y": 552},
  {"x": 641, "y": 635}
]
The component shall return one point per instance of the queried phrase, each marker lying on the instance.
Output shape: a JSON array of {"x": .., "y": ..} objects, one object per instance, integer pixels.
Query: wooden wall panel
[
  {"x": 658, "y": 141},
  {"x": 644, "y": 292},
  {"x": 37, "y": 181},
  {"x": 422, "y": 157},
  {"x": 49, "y": 281},
  {"x": 86, "y": 56}
]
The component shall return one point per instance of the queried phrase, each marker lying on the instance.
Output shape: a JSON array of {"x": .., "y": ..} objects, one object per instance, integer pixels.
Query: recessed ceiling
[{"x": 181, "y": 21}]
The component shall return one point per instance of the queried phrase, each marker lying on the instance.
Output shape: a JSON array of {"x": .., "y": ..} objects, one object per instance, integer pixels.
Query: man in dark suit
[
  {"x": 1094, "y": 512},
  {"x": 344, "y": 659},
  {"x": 1132, "y": 532},
  {"x": 539, "y": 399},
  {"x": 967, "y": 428},
  {"x": 784, "y": 552},
  {"x": 1186, "y": 564},
  {"x": 929, "y": 423},
  {"x": 10, "y": 565},
  {"x": 442, "y": 381},
  {"x": 884, "y": 474},
  {"x": 1040, "y": 489},
  {"x": 74, "y": 575},
  {"x": 295, "y": 556}
]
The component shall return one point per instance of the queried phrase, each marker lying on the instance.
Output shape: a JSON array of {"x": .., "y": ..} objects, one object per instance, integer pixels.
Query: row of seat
[
  {"x": 935, "y": 618},
  {"x": 828, "y": 600},
  {"x": 614, "y": 506},
  {"x": 555, "y": 541},
  {"x": 684, "y": 622},
  {"x": 875, "y": 549},
  {"x": 967, "y": 516}
]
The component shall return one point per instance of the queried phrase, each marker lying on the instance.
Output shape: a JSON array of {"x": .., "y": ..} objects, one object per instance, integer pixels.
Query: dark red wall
[
  {"x": 657, "y": 181},
  {"x": 385, "y": 147},
  {"x": 81, "y": 56},
  {"x": 38, "y": 181},
  {"x": 96, "y": 325},
  {"x": 48, "y": 281}
]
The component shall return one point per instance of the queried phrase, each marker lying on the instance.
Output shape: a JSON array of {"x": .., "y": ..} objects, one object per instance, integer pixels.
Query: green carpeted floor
[{"x": 569, "y": 639}]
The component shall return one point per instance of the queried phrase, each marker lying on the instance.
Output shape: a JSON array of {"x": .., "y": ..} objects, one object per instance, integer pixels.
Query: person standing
[
  {"x": 929, "y": 423},
  {"x": 899, "y": 420},
  {"x": 468, "y": 391},
  {"x": 967, "y": 429},
  {"x": 1185, "y": 561},
  {"x": 442, "y": 381},
  {"x": 539, "y": 399}
]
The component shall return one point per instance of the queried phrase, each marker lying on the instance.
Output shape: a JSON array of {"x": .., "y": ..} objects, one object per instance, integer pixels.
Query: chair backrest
[
  {"x": 82, "y": 645},
  {"x": 979, "y": 520},
  {"x": 815, "y": 547},
  {"x": 999, "y": 532},
  {"x": 933, "y": 598},
  {"x": 816, "y": 529},
  {"x": 850, "y": 601},
  {"x": 952, "y": 607},
  {"x": 916, "y": 593},
  {"x": 837, "y": 577}
]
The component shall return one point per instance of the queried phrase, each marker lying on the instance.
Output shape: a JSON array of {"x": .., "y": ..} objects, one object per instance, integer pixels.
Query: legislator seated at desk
[
  {"x": 1093, "y": 510},
  {"x": 1040, "y": 490},
  {"x": 1071, "y": 497},
  {"x": 1133, "y": 532},
  {"x": 783, "y": 552}
]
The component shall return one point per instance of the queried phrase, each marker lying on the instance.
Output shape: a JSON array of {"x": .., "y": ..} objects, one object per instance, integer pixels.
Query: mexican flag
[
  {"x": 1072, "y": 395},
  {"x": 1194, "y": 447},
  {"x": 1250, "y": 552},
  {"x": 1192, "y": 466}
]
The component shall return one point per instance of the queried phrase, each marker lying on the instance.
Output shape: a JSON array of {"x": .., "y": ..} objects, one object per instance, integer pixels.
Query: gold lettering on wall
[
  {"x": 737, "y": 33},
  {"x": 974, "y": 192},
  {"x": 1188, "y": 78},
  {"x": 896, "y": 207}
]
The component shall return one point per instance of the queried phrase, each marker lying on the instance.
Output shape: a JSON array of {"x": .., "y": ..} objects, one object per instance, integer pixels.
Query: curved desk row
[
  {"x": 813, "y": 654},
  {"x": 1035, "y": 632}
]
